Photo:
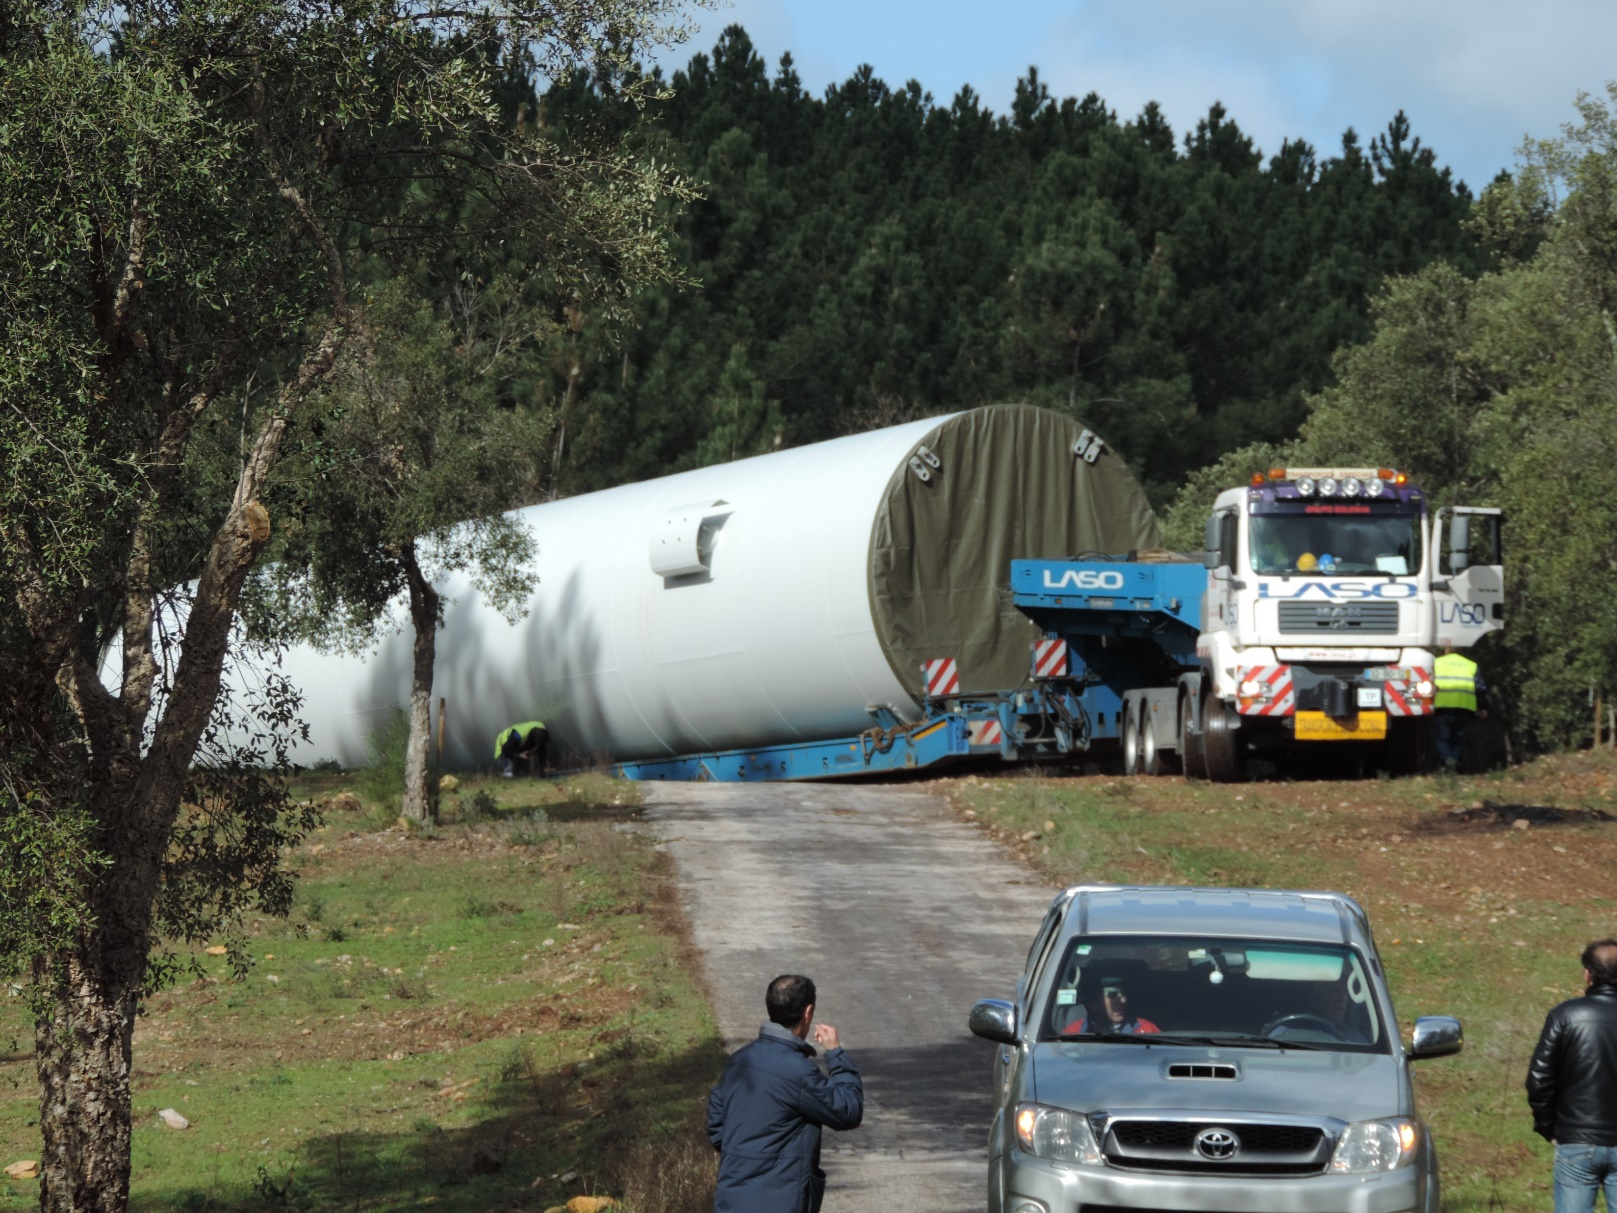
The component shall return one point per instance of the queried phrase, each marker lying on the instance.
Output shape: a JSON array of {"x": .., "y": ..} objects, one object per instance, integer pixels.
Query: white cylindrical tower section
[{"x": 760, "y": 602}]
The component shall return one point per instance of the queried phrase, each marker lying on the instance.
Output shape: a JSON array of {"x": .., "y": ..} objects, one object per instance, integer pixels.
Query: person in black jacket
[
  {"x": 765, "y": 1115},
  {"x": 1572, "y": 1086}
]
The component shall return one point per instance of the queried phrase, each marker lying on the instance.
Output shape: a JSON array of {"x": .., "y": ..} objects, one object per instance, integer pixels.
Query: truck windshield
[
  {"x": 1354, "y": 543},
  {"x": 1260, "y": 993}
]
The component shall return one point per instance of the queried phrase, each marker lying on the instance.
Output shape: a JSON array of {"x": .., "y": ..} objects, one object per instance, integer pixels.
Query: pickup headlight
[
  {"x": 1375, "y": 1145},
  {"x": 1056, "y": 1134}
]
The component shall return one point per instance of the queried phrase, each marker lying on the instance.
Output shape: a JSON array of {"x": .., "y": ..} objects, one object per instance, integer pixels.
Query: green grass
[
  {"x": 457, "y": 1017},
  {"x": 1473, "y": 919}
]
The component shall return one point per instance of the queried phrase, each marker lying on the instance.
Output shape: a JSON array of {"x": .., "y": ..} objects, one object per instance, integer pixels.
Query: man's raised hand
[{"x": 826, "y": 1036}]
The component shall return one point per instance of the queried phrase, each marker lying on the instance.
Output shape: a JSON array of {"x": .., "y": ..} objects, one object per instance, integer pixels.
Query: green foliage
[
  {"x": 381, "y": 781},
  {"x": 50, "y": 857},
  {"x": 420, "y": 451},
  {"x": 1185, "y": 518},
  {"x": 874, "y": 255}
]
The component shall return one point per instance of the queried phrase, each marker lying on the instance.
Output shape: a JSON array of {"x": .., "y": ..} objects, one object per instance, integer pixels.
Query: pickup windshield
[
  {"x": 1231, "y": 992},
  {"x": 1351, "y": 539}
]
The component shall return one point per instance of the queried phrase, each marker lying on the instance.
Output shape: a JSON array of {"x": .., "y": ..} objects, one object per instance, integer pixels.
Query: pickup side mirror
[
  {"x": 995, "y": 1019},
  {"x": 1436, "y": 1036}
]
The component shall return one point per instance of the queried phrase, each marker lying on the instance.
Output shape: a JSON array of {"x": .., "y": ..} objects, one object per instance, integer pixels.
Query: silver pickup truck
[{"x": 1206, "y": 1049}]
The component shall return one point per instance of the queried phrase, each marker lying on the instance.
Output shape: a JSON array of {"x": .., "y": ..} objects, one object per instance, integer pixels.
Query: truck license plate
[{"x": 1317, "y": 726}]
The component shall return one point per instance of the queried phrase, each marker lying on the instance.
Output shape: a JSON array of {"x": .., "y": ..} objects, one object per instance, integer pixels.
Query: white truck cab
[{"x": 1330, "y": 594}]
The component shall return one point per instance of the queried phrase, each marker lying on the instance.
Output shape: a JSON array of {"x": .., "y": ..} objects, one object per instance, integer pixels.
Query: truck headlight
[
  {"x": 1350, "y": 486},
  {"x": 1327, "y": 486},
  {"x": 1305, "y": 486},
  {"x": 1056, "y": 1134},
  {"x": 1375, "y": 1145},
  {"x": 1373, "y": 487}
]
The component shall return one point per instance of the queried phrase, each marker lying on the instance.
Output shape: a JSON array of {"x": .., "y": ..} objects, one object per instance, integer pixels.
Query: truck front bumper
[{"x": 1034, "y": 1185}]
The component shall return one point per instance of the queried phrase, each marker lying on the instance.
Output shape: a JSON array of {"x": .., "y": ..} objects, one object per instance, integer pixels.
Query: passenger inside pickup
[{"x": 1113, "y": 1015}]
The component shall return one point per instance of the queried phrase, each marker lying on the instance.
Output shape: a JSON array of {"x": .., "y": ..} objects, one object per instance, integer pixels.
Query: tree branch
[
  {"x": 140, "y": 664},
  {"x": 235, "y": 547}
]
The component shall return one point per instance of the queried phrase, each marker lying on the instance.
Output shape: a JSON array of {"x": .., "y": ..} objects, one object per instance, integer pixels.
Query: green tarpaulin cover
[{"x": 1008, "y": 486}]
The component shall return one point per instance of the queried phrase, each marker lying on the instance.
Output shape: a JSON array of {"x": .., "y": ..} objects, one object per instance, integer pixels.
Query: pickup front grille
[
  {"x": 1171, "y": 1145},
  {"x": 1377, "y": 618}
]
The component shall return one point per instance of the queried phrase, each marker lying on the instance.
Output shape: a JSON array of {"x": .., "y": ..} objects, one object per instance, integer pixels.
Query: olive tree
[{"x": 190, "y": 189}]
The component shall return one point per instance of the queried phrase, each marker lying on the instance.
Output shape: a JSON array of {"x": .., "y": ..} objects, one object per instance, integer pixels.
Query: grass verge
[
  {"x": 496, "y": 1013},
  {"x": 1478, "y": 912}
]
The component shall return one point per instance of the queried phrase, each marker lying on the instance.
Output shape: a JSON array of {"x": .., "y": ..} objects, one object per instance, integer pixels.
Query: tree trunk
[
  {"x": 83, "y": 1059},
  {"x": 418, "y": 799}
]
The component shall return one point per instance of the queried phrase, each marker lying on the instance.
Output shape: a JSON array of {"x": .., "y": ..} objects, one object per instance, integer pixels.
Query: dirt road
[{"x": 903, "y": 915}]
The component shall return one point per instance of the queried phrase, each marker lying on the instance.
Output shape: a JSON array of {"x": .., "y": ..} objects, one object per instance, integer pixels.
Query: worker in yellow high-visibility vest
[
  {"x": 1461, "y": 698},
  {"x": 526, "y": 743}
]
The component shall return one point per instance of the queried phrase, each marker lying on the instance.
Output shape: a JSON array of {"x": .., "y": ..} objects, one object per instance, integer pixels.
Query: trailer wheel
[
  {"x": 1221, "y": 743},
  {"x": 1131, "y": 741},
  {"x": 1190, "y": 743}
]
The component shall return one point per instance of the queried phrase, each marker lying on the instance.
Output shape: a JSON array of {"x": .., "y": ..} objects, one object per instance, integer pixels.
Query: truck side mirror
[{"x": 1210, "y": 537}]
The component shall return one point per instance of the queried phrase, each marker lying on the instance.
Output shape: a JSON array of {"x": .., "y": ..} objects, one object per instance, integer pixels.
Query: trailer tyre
[
  {"x": 1131, "y": 741},
  {"x": 1221, "y": 743},
  {"x": 1190, "y": 743}
]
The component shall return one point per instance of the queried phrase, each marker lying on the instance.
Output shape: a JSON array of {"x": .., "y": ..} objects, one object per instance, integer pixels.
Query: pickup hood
[{"x": 1120, "y": 1078}]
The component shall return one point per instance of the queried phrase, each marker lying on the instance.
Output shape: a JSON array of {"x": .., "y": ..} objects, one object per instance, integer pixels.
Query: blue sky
[{"x": 1475, "y": 77}]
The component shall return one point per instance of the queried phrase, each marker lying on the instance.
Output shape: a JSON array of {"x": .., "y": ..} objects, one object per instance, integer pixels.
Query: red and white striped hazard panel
[
  {"x": 1276, "y": 697},
  {"x": 1401, "y": 699},
  {"x": 1050, "y": 659},
  {"x": 942, "y": 676},
  {"x": 985, "y": 732}
]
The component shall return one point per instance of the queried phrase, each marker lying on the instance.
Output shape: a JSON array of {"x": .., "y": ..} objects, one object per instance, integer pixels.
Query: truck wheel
[
  {"x": 1153, "y": 760},
  {"x": 1221, "y": 743},
  {"x": 1131, "y": 741},
  {"x": 1190, "y": 744}
]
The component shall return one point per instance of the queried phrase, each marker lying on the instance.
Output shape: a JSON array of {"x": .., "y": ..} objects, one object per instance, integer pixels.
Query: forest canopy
[{"x": 872, "y": 255}]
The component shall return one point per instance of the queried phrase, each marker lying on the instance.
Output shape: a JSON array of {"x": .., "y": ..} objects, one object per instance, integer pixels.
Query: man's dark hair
[
  {"x": 1600, "y": 958},
  {"x": 788, "y": 997}
]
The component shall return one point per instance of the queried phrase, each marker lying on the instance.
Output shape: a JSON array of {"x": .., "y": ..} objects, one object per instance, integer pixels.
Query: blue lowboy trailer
[{"x": 1112, "y": 628}]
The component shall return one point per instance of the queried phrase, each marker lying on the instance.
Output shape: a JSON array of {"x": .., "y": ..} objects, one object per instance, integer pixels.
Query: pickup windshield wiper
[{"x": 1263, "y": 1042}]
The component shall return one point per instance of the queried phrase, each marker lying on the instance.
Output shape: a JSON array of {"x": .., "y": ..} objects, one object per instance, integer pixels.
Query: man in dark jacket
[
  {"x": 764, "y": 1117},
  {"x": 1572, "y": 1086}
]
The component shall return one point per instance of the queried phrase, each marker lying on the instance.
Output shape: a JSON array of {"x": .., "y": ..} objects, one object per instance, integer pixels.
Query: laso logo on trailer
[{"x": 1083, "y": 579}]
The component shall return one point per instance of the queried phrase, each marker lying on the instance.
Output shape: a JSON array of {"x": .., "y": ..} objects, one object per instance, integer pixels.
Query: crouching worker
[
  {"x": 765, "y": 1115},
  {"x": 525, "y": 743}
]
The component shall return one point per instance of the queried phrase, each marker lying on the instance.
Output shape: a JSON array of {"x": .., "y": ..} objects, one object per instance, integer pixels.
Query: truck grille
[
  {"x": 1338, "y": 617},
  {"x": 1172, "y": 1145}
]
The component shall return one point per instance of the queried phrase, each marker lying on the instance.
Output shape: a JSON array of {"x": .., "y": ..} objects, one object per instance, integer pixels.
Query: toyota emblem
[{"x": 1217, "y": 1144}]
